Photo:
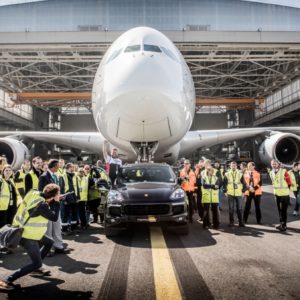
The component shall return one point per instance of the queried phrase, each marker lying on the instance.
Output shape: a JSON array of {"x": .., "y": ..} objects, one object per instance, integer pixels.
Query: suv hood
[{"x": 145, "y": 192}]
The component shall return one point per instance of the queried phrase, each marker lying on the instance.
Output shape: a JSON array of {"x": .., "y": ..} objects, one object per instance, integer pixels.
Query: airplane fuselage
[{"x": 143, "y": 91}]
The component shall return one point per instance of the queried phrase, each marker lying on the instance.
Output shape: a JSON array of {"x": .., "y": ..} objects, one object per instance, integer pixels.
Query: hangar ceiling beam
[
  {"x": 223, "y": 65},
  {"x": 230, "y": 102},
  {"x": 84, "y": 98}
]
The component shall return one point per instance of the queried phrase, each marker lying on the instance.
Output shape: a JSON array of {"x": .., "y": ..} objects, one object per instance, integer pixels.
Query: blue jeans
[
  {"x": 36, "y": 254},
  {"x": 236, "y": 201},
  {"x": 297, "y": 201}
]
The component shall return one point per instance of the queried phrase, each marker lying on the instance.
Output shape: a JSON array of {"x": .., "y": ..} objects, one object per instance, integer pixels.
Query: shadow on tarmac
[
  {"x": 49, "y": 291},
  {"x": 69, "y": 265},
  {"x": 141, "y": 233}
]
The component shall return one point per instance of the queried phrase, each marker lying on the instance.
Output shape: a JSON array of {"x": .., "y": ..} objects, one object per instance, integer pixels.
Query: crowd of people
[
  {"x": 241, "y": 185},
  {"x": 53, "y": 199},
  {"x": 50, "y": 199}
]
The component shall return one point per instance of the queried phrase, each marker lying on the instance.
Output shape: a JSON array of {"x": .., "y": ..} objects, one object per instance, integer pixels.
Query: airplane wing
[
  {"x": 281, "y": 143},
  {"x": 89, "y": 141},
  {"x": 14, "y": 144}
]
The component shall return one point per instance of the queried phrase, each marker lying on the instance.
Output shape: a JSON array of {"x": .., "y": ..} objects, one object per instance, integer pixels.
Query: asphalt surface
[{"x": 255, "y": 262}]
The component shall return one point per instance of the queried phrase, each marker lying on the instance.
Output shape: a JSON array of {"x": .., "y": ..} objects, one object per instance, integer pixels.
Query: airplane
[{"x": 143, "y": 103}]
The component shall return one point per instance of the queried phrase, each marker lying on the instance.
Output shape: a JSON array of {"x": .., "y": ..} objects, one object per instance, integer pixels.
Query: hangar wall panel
[
  {"x": 209, "y": 121},
  {"x": 78, "y": 123},
  {"x": 85, "y": 15}
]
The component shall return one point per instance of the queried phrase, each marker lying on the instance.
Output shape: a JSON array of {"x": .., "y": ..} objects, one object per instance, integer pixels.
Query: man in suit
[{"x": 54, "y": 228}]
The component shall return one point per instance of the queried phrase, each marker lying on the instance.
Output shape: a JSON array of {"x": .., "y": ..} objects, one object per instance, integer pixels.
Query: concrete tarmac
[{"x": 255, "y": 262}]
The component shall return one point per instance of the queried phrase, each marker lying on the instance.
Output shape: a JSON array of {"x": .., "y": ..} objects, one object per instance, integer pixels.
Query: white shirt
[{"x": 116, "y": 161}]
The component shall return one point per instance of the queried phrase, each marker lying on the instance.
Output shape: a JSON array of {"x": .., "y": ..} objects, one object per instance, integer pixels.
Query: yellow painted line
[{"x": 166, "y": 285}]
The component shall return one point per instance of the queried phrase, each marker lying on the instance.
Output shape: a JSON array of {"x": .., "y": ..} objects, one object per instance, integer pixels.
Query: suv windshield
[{"x": 147, "y": 174}]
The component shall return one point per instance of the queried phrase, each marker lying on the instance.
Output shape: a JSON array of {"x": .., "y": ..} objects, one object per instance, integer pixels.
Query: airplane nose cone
[
  {"x": 143, "y": 98},
  {"x": 143, "y": 70}
]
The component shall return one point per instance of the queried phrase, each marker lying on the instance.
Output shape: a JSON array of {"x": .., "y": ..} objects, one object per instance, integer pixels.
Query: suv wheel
[{"x": 109, "y": 231}]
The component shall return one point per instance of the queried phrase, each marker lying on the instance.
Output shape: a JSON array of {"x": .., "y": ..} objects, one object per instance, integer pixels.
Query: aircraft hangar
[
  {"x": 144, "y": 229},
  {"x": 243, "y": 56}
]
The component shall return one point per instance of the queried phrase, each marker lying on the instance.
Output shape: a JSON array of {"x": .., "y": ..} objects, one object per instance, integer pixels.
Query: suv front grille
[{"x": 146, "y": 209}]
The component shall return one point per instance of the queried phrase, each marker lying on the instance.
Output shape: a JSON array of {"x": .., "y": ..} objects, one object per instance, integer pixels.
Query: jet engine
[
  {"x": 14, "y": 150},
  {"x": 284, "y": 147}
]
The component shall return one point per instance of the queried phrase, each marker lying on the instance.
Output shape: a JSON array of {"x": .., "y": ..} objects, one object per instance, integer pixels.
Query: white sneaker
[{"x": 295, "y": 213}]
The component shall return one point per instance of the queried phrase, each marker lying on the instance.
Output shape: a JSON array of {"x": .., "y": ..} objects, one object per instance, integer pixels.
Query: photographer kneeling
[{"x": 35, "y": 207}]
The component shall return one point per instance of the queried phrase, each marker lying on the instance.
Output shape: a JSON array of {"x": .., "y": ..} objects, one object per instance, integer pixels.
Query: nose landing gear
[{"x": 144, "y": 150}]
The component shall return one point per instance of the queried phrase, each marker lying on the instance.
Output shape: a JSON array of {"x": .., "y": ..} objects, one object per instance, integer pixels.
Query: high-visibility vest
[
  {"x": 204, "y": 172},
  {"x": 210, "y": 195},
  {"x": 279, "y": 183},
  {"x": 83, "y": 184},
  {"x": 234, "y": 185},
  {"x": 35, "y": 180},
  {"x": 93, "y": 191},
  {"x": 66, "y": 182},
  {"x": 188, "y": 185},
  {"x": 256, "y": 180},
  {"x": 60, "y": 173},
  {"x": 21, "y": 184},
  {"x": 293, "y": 186},
  {"x": 222, "y": 172},
  {"x": 36, "y": 227},
  {"x": 4, "y": 195}
]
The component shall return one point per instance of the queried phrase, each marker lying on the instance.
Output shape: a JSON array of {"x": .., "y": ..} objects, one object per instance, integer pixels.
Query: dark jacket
[
  {"x": 45, "y": 179},
  {"x": 50, "y": 212}
]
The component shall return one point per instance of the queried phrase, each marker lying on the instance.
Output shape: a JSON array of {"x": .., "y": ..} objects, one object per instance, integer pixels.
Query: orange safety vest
[
  {"x": 188, "y": 185},
  {"x": 256, "y": 180}
]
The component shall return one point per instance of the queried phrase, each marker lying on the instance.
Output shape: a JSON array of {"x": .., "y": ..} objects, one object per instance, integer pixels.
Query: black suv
[{"x": 146, "y": 193}]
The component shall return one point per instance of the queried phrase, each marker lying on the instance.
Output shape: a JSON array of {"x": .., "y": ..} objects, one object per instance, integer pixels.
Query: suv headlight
[
  {"x": 114, "y": 196},
  {"x": 177, "y": 194}
]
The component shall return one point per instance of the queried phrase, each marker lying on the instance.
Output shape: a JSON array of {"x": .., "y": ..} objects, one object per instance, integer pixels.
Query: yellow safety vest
[
  {"x": 210, "y": 195},
  {"x": 280, "y": 186},
  {"x": 83, "y": 184},
  {"x": 4, "y": 195},
  {"x": 222, "y": 173},
  {"x": 204, "y": 172},
  {"x": 35, "y": 180},
  {"x": 21, "y": 184},
  {"x": 60, "y": 173},
  {"x": 66, "y": 181},
  {"x": 234, "y": 185},
  {"x": 93, "y": 191},
  {"x": 36, "y": 227},
  {"x": 293, "y": 186}
]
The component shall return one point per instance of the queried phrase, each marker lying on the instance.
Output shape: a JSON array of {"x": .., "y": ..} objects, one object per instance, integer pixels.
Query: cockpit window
[
  {"x": 114, "y": 55},
  {"x": 169, "y": 53},
  {"x": 152, "y": 48},
  {"x": 133, "y": 48}
]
